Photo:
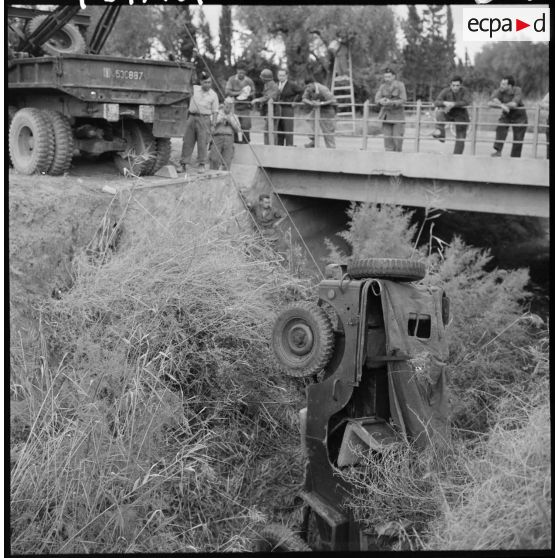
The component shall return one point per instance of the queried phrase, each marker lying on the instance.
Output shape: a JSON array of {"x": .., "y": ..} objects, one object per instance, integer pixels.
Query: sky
[{"x": 212, "y": 12}]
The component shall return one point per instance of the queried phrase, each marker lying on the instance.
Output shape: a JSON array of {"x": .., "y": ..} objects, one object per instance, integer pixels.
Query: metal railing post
[
  {"x": 475, "y": 125},
  {"x": 365, "y": 113},
  {"x": 316, "y": 126},
  {"x": 270, "y": 122},
  {"x": 417, "y": 125},
  {"x": 536, "y": 131}
]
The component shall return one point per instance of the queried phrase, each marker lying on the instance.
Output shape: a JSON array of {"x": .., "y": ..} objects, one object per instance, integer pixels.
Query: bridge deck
[{"x": 468, "y": 183}]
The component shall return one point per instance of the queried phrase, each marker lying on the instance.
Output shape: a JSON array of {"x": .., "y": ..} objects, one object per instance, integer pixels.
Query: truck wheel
[
  {"x": 302, "y": 339},
  {"x": 63, "y": 142},
  {"x": 31, "y": 141},
  {"x": 162, "y": 154},
  {"x": 67, "y": 40},
  {"x": 11, "y": 113},
  {"x": 387, "y": 268},
  {"x": 278, "y": 538},
  {"x": 139, "y": 157}
]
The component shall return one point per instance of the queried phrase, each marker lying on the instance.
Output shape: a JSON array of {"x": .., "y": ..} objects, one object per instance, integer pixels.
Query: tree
[
  {"x": 225, "y": 35},
  {"x": 527, "y": 62},
  {"x": 371, "y": 30},
  {"x": 413, "y": 56},
  {"x": 204, "y": 36}
]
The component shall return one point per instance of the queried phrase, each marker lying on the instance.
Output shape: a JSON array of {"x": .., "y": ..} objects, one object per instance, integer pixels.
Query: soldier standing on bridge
[
  {"x": 391, "y": 96},
  {"x": 508, "y": 98},
  {"x": 320, "y": 99},
  {"x": 452, "y": 105}
]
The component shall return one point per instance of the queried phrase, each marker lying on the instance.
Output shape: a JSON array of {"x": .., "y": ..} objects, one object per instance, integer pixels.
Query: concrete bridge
[{"x": 466, "y": 182}]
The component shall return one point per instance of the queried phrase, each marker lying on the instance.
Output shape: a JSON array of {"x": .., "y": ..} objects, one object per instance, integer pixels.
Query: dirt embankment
[{"x": 52, "y": 219}]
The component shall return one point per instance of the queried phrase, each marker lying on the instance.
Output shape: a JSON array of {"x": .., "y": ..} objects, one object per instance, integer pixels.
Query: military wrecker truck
[
  {"x": 65, "y": 98},
  {"x": 375, "y": 344}
]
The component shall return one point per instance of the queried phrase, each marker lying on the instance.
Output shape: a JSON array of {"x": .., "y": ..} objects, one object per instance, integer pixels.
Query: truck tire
[
  {"x": 162, "y": 154},
  {"x": 141, "y": 154},
  {"x": 11, "y": 113},
  {"x": 63, "y": 142},
  {"x": 31, "y": 141},
  {"x": 302, "y": 339},
  {"x": 67, "y": 40},
  {"x": 386, "y": 268},
  {"x": 278, "y": 538}
]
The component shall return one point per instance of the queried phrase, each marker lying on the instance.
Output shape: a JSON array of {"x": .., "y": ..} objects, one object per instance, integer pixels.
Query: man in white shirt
[{"x": 204, "y": 105}]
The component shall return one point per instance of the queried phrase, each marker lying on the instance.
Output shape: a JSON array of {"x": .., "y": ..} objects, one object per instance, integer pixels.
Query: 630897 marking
[{"x": 122, "y": 74}]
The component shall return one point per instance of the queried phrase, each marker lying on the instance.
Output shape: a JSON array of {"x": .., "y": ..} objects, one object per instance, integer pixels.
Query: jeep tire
[
  {"x": 278, "y": 538},
  {"x": 302, "y": 339},
  {"x": 386, "y": 268}
]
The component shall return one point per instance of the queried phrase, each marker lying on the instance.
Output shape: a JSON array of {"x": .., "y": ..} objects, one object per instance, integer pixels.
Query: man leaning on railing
[
  {"x": 452, "y": 105},
  {"x": 323, "y": 103},
  {"x": 508, "y": 97}
]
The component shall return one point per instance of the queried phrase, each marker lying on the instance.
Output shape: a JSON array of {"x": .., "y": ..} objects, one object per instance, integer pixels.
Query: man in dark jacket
[
  {"x": 508, "y": 98},
  {"x": 452, "y": 103},
  {"x": 289, "y": 93}
]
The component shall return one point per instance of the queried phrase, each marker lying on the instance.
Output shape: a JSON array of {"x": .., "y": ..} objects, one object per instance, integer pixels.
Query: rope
[{"x": 270, "y": 182}]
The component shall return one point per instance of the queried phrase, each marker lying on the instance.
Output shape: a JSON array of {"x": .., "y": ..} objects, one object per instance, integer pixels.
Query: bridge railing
[{"x": 286, "y": 121}]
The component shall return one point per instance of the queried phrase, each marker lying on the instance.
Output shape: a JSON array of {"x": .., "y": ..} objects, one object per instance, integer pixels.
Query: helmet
[{"x": 266, "y": 74}]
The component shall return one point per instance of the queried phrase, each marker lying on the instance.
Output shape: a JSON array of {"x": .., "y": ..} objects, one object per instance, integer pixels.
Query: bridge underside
[
  {"x": 463, "y": 183},
  {"x": 508, "y": 199}
]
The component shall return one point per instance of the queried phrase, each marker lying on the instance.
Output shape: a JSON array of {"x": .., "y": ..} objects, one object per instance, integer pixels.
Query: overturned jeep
[{"x": 375, "y": 345}]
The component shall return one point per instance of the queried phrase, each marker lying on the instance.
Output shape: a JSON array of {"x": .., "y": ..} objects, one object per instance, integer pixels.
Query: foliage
[
  {"x": 528, "y": 62},
  {"x": 390, "y": 236},
  {"x": 429, "y": 55},
  {"x": 225, "y": 35},
  {"x": 154, "y": 419},
  {"x": 371, "y": 28}
]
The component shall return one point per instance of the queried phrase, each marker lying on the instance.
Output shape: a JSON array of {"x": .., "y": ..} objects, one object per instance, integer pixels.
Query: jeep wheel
[
  {"x": 31, "y": 141},
  {"x": 278, "y": 538},
  {"x": 63, "y": 142},
  {"x": 302, "y": 339},
  {"x": 67, "y": 40},
  {"x": 386, "y": 268},
  {"x": 140, "y": 155}
]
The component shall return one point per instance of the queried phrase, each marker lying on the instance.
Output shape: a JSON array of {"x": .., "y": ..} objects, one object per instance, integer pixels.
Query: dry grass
[{"x": 154, "y": 419}]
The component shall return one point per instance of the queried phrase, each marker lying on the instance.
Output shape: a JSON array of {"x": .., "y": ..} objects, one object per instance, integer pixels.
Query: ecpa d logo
[{"x": 485, "y": 23}]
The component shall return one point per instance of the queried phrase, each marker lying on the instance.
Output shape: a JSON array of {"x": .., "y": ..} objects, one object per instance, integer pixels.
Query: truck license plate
[{"x": 146, "y": 113}]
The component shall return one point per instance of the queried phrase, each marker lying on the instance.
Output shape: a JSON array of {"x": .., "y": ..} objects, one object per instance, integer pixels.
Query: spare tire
[
  {"x": 278, "y": 538},
  {"x": 302, "y": 339},
  {"x": 386, "y": 268},
  {"x": 140, "y": 155},
  {"x": 67, "y": 40}
]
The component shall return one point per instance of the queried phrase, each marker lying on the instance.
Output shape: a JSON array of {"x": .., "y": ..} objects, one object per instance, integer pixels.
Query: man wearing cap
[
  {"x": 241, "y": 88},
  {"x": 392, "y": 96},
  {"x": 270, "y": 92},
  {"x": 226, "y": 126},
  {"x": 204, "y": 105},
  {"x": 320, "y": 98}
]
